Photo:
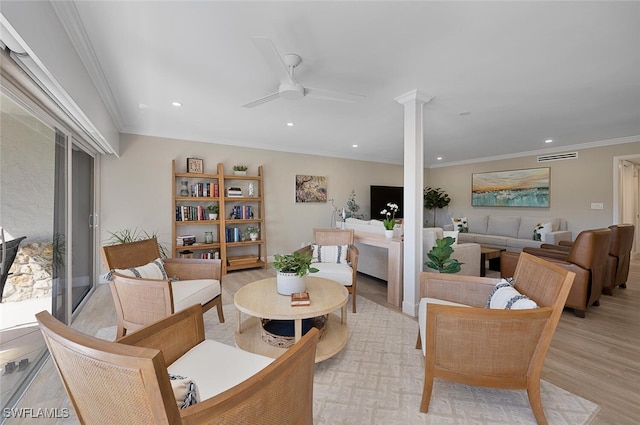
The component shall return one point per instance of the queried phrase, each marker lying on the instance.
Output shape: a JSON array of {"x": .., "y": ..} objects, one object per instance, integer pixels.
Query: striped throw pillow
[{"x": 330, "y": 254}]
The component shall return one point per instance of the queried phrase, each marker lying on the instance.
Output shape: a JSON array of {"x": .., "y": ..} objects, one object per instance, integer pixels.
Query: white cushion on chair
[
  {"x": 341, "y": 273},
  {"x": 329, "y": 253},
  {"x": 152, "y": 270},
  {"x": 216, "y": 367},
  {"x": 189, "y": 292},
  {"x": 422, "y": 317}
]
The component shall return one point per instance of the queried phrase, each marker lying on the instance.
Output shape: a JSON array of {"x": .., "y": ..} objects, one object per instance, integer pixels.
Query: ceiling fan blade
[
  {"x": 333, "y": 95},
  {"x": 273, "y": 58},
  {"x": 258, "y": 102}
]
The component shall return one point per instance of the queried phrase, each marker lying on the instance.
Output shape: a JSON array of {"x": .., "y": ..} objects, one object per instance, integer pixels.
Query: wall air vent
[{"x": 558, "y": 156}]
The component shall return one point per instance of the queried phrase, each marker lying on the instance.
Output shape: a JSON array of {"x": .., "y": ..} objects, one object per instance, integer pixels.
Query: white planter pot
[
  {"x": 288, "y": 283},
  {"x": 388, "y": 233},
  {"x": 239, "y": 173},
  {"x": 253, "y": 236},
  {"x": 213, "y": 216}
]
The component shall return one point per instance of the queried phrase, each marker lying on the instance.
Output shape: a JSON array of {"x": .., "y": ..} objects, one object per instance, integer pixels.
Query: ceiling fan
[{"x": 289, "y": 88}]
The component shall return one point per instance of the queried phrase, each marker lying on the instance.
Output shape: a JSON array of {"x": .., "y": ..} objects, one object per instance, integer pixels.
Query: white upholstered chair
[{"x": 336, "y": 257}]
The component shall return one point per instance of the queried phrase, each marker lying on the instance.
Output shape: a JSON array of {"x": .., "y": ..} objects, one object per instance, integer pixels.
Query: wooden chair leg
[
  {"x": 580, "y": 313},
  {"x": 426, "y": 393},
  {"x": 353, "y": 301},
  {"x": 533, "y": 391},
  {"x": 219, "y": 308}
]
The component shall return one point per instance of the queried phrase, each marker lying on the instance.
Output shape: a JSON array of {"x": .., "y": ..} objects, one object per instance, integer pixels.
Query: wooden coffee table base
[
  {"x": 331, "y": 343},
  {"x": 491, "y": 254}
]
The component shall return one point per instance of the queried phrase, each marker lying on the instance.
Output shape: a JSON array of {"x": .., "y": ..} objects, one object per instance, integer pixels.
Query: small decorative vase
[
  {"x": 251, "y": 190},
  {"x": 288, "y": 283},
  {"x": 213, "y": 216},
  {"x": 208, "y": 237},
  {"x": 388, "y": 233},
  {"x": 239, "y": 173},
  {"x": 184, "y": 188},
  {"x": 253, "y": 236}
]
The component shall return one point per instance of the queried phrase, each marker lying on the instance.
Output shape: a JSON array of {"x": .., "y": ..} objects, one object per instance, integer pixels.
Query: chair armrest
[
  {"x": 468, "y": 290},
  {"x": 174, "y": 335},
  {"x": 190, "y": 269},
  {"x": 556, "y": 237},
  {"x": 566, "y": 243},
  {"x": 470, "y": 339},
  {"x": 546, "y": 253},
  {"x": 559, "y": 247},
  {"x": 305, "y": 250}
]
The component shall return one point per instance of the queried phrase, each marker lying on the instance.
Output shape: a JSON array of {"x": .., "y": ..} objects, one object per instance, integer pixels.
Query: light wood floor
[{"x": 597, "y": 357}]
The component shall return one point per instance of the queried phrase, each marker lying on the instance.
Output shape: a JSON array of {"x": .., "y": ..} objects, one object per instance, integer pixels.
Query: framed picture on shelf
[{"x": 195, "y": 165}]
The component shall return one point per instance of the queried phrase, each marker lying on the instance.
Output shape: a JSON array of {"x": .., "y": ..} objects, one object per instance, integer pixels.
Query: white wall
[
  {"x": 136, "y": 188},
  {"x": 575, "y": 184}
]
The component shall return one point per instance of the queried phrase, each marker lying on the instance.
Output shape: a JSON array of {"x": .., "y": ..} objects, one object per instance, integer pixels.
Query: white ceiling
[{"x": 526, "y": 72}]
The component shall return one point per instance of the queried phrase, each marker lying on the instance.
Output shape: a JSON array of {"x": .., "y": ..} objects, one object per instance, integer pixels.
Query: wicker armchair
[
  {"x": 140, "y": 302},
  {"x": 490, "y": 347},
  {"x": 127, "y": 382},
  {"x": 343, "y": 273}
]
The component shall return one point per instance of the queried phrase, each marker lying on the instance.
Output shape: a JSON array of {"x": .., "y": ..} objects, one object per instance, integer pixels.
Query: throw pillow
[
  {"x": 184, "y": 390},
  {"x": 153, "y": 270},
  {"x": 540, "y": 230},
  {"x": 505, "y": 296},
  {"x": 329, "y": 254},
  {"x": 460, "y": 224}
]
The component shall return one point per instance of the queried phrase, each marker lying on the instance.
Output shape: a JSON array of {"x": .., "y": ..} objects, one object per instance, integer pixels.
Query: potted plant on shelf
[
  {"x": 253, "y": 231},
  {"x": 292, "y": 271},
  {"x": 440, "y": 257},
  {"x": 240, "y": 170},
  {"x": 213, "y": 210},
  {"x": 389, "y": 221}
]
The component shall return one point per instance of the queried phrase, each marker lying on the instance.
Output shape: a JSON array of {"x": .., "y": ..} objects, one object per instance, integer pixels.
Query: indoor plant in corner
[
  {"x": 292, "y": 271},
  {"x": 439, "y": 257}
]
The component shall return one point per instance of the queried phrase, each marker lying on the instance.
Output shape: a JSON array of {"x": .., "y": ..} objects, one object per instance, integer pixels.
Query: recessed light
[
  {"x": 290, "y": 124},
  {"x": 548, "y": 141},
  {"x": 176, "y": 104},
  {"x": 354, "y": 146},
  {"x": 439, "y": 158}
]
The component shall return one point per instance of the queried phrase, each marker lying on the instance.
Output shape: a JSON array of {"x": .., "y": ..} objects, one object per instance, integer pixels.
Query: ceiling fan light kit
[{"x": 289, "y": 88}]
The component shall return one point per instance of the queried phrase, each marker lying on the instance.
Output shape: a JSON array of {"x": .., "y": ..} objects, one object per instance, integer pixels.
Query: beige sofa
[{"x": 511, "y": 232}]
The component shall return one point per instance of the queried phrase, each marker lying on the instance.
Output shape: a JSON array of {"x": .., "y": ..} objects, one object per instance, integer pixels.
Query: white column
[{"x": 413, "y": 103}]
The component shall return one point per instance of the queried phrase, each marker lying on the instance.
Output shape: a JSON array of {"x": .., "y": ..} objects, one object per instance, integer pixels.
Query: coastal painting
[
  {"x": 515, "y": 188},
  {"x": 311, "y": 188}
]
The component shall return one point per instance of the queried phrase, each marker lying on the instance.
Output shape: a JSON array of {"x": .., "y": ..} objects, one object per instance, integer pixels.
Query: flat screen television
[{"x": 381, "y": 195}]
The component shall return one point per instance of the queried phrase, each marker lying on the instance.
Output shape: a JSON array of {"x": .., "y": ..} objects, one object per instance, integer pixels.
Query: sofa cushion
[
  {"x": 541, "y": 230},
  {"x": 505, "y": 296},
  {"x": 527, "y": 224},
  {"x": 184, "y": 390},
  {"x": 460, "y": 224},
  {"x": 478, "y": 224},
  {"x": 329, "y": 253},
  {"x": 518, "y": 244},
  {"x": 491, "y": 240},
  {"x": 216, "y": 367},
  {"x": 341, "y": 273},
  {"x": 504, "y": 226},
  {"x": 422, "y": 317},
  {"x": 152, "y": 270},
  {"x": 466, "y": 237},
  {"x": 189, "y": 292}
]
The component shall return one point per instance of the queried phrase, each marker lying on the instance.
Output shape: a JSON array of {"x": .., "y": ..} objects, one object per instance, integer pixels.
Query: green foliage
[
  {"x": 213, "y": 209},
  {"x": 440, "y": 257},
  {"x": 128, "y": 235},
  {"x": 240, "y": 168},
  {"x": 352, "y": 206},
  {"x": 434, "y": 199},
  {"x": 389, "y": 213},
  {"x": 252, "y": 229},
  {"x": 298, "y": 263}
]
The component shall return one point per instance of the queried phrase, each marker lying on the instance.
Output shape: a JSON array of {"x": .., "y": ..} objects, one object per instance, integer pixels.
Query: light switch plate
[{"x": 597, "y": 206}]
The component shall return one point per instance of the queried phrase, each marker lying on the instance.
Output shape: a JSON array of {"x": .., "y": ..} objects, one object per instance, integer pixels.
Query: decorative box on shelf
[
  {"x": 240, "y": 260},
  {"x": 234, "y": 192}
]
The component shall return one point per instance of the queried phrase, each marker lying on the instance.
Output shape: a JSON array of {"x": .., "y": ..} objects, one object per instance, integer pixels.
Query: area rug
[{"x": 377, "y": 379}]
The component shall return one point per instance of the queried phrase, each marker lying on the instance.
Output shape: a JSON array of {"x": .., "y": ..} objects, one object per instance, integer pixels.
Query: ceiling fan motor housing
[{"x": 291, "y": 91}]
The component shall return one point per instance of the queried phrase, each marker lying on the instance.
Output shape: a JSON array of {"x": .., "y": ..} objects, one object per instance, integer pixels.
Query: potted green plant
[
  {"x": 434, "y": 199},
  {"x": 440, "y": 257},
  {"x": 213, "y": 210},
  {"x": 240, "y": 170},
  {"x": 292, "y": 270},
  {"x": 253, "y": 231},
  {"x": 389, "y": 221}
]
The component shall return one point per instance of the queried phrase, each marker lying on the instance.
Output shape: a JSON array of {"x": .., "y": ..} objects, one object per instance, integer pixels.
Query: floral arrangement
[{"x": 389, "y": 215}]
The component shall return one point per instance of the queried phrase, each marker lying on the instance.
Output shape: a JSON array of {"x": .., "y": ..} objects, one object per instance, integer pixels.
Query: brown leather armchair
[
  {"x": 619, "y": 256},
  {"x": 587, "y": 258}
]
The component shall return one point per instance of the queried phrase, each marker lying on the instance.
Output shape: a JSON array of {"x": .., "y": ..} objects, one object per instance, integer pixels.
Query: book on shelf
[
  {"x": 234, "y": 192},
  {"x": 185, "y": 240},
  {"x": 300, "y": 299}
]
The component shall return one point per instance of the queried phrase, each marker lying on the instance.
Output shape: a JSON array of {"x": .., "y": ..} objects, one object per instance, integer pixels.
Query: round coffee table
[{"x": 261, "y": 300}]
